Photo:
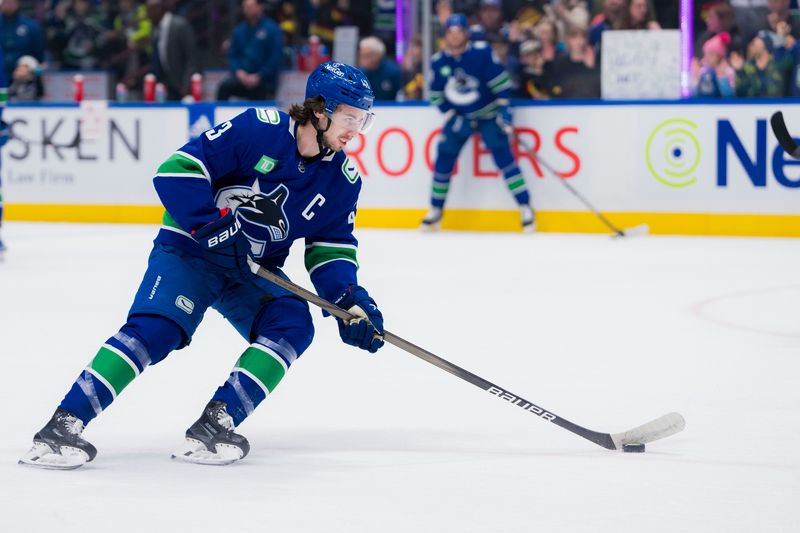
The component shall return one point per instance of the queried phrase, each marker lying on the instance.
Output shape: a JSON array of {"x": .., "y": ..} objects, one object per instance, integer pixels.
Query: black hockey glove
[
  {"x": 225, "y": 247},
  {"x": 366, "y": 332}
]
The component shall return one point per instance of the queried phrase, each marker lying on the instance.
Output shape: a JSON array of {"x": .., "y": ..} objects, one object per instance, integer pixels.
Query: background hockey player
[
  {"x": 472, "y": 89},
  {"x": 5, "y": 133},
  {"x": 245, "y": 189}
]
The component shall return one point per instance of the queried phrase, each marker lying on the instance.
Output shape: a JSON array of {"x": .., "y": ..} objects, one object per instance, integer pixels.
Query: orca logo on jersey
[
  {"x": 262, "y": 215},
  {"x": 461, "y": 88}
]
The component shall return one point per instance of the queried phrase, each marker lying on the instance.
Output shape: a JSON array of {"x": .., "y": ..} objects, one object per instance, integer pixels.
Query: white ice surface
[{"x": 607, "y": 333}]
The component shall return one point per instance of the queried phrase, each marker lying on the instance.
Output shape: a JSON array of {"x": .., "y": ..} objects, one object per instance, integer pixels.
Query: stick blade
[
  {"x": 782, "y": 134},
  {"x": 657, "y": 429},
  {"x": 635, "y": 231}
]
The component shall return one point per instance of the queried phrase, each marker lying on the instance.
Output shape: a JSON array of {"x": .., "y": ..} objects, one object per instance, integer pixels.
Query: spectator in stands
[
  {"x": 26, "y": 83},
  {"x": 174, "y": 55},
  {"x": 523, "y": 27},
  {"x": 787, "y": 55},
  {"x": 490, "y": 18},
  {"x": 638, "y": 16},
  {"x": 534, "y": 75},
  {"x": 413, "y": 81},
  {"x": 714, "y": 77},
  {"x": 575, "y": 74},
  {"x": 78, "y": 39},
  {"x": 759, "y": 76},
  {"x": 546, "y": 32},
  {"x": 751, "y": 17},
  {"x": 312, "y": 55},
  {"x": 325, "y": 16},
  {"x": 126, "y": 48},
  {"x": 19, "y": 36},
  {"x": 443, "y": 9},
  {"x": 500, "y": 48},
  {"x": 512, "y": 9},
  {"x": 778, "y": 11},
  {"x": 720, "y": 18},
  {"x": 254, "y": 57},
  {"x": 383, "y": 74},
  {"x": 568, "y": 14},
  {"x": 609, "y": 19},
  {"x": 287, "y": 19}
]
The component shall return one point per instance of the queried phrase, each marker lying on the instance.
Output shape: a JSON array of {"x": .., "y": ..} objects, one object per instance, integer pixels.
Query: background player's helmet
[
  {"x": 456, "y": 20},
  {"x": 338, "y": 84}
]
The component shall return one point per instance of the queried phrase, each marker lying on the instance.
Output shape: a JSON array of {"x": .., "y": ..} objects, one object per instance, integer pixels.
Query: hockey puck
[{"x": 633, "y": 448}]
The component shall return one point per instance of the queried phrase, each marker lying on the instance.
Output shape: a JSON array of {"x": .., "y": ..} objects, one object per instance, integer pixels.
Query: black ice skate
[
  {"x": 59, "y": 445},
  {"x": 432, "y": 220},
  {"x": 211, "y": 440}
]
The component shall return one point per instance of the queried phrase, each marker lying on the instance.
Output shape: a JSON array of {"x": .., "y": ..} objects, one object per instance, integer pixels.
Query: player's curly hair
[{"x": 305, "y": 113}]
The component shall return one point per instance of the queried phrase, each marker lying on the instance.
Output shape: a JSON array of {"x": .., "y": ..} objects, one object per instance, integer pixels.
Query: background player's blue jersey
[
  {"x": 473, "y": 84},
  {"x": 251, "y": 165}
]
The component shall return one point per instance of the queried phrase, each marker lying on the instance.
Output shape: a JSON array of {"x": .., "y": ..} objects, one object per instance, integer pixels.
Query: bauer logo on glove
[
  {"x": 225, "y": 246},
  {"x": 225, "y": 234}
]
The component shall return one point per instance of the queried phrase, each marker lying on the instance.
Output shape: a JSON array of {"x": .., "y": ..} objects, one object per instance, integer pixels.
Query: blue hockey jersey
[
  {"x": 474, "y": 84},
  {"x": 251, "y": 165}
]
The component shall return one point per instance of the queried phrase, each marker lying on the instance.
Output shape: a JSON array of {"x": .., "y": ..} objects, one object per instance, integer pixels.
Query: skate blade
[
  {"x": 42, "y": 456},
  {"x": 195, "y": 452},
  {"x": 529, "y": 228},
  {"x": 430, "y": 228}
]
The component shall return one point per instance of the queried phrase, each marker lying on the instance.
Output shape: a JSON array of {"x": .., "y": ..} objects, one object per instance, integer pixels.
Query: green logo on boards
[
  {"x": 350, "y": 171},
  {"x": 266, "y": 164},
  {"x": 672, "y": 153}
]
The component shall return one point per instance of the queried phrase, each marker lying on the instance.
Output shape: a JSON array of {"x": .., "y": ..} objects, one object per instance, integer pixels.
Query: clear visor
[{"x": 353, "y": 119}]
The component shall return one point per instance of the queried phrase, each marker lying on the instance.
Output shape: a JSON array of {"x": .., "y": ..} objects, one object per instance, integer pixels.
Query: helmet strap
[{"x": 320, "y": 132}]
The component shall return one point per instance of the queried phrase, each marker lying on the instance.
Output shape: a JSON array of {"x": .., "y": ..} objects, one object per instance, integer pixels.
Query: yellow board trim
[
  {"x": 750, "y": 225},
  {"x": 122, "y": 214}
]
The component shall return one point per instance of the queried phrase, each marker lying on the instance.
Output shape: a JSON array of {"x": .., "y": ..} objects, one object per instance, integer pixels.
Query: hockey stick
[
  {"x": 782, "y": 134},
  {"x": 659, "y": 428},
  {"x": 641, "y": 229}
]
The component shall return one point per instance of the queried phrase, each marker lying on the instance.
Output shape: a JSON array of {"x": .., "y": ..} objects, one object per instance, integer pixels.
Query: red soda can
[
  {"x": 78, "y": 87},
  {"x": 197, "y": 87},
  {"x": 149, "y": 89}
]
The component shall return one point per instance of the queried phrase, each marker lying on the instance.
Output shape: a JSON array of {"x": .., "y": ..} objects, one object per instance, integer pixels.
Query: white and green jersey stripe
[{"x": 322, "y": 253}]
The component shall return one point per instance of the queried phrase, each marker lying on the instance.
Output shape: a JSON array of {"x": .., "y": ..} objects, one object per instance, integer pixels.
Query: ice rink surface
[{"x": 607, "y": 333}]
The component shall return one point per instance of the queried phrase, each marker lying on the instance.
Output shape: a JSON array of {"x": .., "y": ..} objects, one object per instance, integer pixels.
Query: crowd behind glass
[{"x": 742, "y": 48}]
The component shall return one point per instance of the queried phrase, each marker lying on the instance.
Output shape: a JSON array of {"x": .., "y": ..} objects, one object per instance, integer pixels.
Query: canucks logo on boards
[
  {"x": 262, "y": 216},
  {"x": 461, "y": 88}
]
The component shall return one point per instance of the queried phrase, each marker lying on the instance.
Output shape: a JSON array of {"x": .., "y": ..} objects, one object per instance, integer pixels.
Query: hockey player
[
  {"x": 245, "y": 189},
  {"x": 5, "y": 133},
  {"x": 472, "y": 89}
]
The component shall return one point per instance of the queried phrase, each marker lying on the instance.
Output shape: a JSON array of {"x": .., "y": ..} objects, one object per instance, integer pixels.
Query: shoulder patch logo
[
  {"x": 266, "y": 164},
  {"x": 268, "y": 115},
  {"x": 184, "y": 304},
  {"x": 350, "y": 170},
  {"x": 445, "y": 71}
]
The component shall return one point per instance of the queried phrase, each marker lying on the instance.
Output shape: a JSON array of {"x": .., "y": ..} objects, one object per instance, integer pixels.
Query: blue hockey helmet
[
  {"x": 456, "y": 20},
  {"x": 339, "y": 83}
]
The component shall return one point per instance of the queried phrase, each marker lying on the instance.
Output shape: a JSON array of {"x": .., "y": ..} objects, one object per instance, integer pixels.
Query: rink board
[{"x": 697, "y": 168}]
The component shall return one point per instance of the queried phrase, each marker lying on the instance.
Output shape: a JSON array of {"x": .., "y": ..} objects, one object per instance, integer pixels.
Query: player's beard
[{"x": 331, "y": 142}]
